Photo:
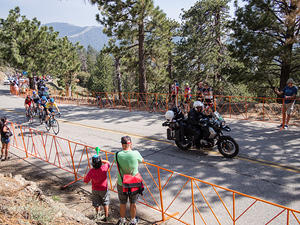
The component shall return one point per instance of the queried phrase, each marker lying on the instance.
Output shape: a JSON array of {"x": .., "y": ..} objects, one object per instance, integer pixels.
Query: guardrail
[{"x": 176, "y": 196}]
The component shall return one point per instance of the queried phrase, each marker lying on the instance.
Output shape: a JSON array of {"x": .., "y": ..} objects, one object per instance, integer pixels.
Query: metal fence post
[{"x": 161, "y": 197}]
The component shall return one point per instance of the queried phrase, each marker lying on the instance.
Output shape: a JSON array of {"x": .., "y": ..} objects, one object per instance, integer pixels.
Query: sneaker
[
  {"x": 106, "y": 219},
  {"x": 101, "y": 216},
  {"x": 280, "y": 126},
  {"x": 121, "y": 221},
  {"x": 134, "y": 221},
  {"x": 95, "y": 217}
]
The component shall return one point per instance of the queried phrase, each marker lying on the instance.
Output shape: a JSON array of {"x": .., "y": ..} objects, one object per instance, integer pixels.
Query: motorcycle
[{"x": 179, "y": 131}]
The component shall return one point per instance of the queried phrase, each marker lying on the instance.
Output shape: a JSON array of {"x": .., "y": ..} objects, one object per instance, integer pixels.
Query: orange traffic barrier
[
  {"x": 176, "y": 196},
  {"x": 236, "y": 107}
]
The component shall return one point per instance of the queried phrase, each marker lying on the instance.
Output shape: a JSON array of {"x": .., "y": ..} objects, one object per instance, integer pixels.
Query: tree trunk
[
  {"x": 169, "y": 70},
  {"x": 68, "y": 90},
  {"x": 142, "y": 71},
  {"x": 31, "y": 83},
  {"x": 286, "y": 56},
  {"x": 286, "y": 60},
  {"x": 118, "y": 75}
]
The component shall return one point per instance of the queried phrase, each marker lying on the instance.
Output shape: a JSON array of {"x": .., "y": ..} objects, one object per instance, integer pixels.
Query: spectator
[
  {"x": 100, "y": 193},
  {"x": 128, "y": 161},
  {"x": 175, "y": 92},
  {"x": 187, "y": 97},
  {"x": 5, "y": 135},
  {"x": 200, "y": 91},
  {"x": 289, "y": 95},
  {"x": 207, "y": 94}
]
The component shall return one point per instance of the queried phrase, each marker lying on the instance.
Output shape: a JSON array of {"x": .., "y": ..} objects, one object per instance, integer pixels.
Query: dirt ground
[{"x": 74, "y": 197}]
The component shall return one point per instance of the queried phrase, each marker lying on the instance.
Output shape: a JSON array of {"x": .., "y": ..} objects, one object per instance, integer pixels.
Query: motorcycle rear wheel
[
  {"x": 228, "y": 147},
  {"x": 185, "y": 144}
]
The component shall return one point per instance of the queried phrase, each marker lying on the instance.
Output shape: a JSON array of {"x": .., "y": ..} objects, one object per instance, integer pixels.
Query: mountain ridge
[{"x": 87, "y": 35}]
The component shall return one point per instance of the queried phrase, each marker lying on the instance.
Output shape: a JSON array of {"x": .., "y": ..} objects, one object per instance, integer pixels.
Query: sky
[{"x": 78, "y": 12}]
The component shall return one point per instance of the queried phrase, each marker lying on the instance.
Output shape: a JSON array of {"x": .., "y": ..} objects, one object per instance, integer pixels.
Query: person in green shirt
[{"x": 128, "y": 162}]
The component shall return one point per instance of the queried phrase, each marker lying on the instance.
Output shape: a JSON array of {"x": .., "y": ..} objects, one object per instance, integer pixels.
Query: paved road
[{"x": 268, "y": 165}]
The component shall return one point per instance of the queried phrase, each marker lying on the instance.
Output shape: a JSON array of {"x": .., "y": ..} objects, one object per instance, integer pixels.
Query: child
[{"x": 100, "y": 193}]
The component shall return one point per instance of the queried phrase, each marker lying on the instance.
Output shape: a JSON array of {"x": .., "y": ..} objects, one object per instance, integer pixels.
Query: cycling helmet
[
  {"x": 33, "y": 92},
  {"x": 186, "y": 84},
  {"x": 198, "y": 104},
  {"x": 169, "y": 115},
  {"x": 44, "y": 98},
  {"x": 96, "y": 161},
  {"x": 51, "y": 100}
]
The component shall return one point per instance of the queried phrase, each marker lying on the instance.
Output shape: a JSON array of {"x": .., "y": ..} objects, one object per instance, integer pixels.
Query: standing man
[
  {"x": 128, "y": 162},
  {"x": 175, "y": 92},
  {"x": 200, "y": 91},
  {"x": 289, "y": 95}
]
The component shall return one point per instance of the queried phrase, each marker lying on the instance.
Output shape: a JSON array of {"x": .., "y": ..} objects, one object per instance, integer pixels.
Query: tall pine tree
[{"x": 267, "y": 40}]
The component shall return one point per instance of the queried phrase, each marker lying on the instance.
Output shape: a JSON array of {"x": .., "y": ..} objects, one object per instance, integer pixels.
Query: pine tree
[
  {"x": 202, "y": 51},
  {"x": 130, "y": 24},
  {"x": 267, "y": 40},
  {"x": 101, "y": 79}
]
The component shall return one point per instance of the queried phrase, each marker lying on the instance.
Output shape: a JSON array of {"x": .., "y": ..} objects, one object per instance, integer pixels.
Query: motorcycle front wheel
[
  {"x": 228, "y": 147},
  {"x": 184, "y": 144}
]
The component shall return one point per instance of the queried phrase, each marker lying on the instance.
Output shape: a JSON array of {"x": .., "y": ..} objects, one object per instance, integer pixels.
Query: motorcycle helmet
[
  {"x": 198, "y": 104},
  {"x": 96, "y": 162},
  {"x": 52, "y": 100},
  {"x": 169, "y": 115}
]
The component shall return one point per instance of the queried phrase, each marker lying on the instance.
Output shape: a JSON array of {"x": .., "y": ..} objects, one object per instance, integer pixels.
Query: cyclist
[
  {"x": 43, "y": 106},
  {"x": 49, "y": 108},
  {"x": 36, "y": 100},
  {"x": 43, "y": 92},
  {"x": 187, "y": 97},
  {"x": 27, "y": 104}
]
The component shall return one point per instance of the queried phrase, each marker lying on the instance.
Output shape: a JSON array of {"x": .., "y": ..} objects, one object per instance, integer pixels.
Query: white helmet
[
  {"x": 198, "y": 104},
  {"x": 169, "y": 115}
]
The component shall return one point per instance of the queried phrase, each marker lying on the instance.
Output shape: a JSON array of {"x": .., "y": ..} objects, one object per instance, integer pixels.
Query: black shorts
[
  {"x": 124, "y": 198},
  {"x": 100, "y": 198}
]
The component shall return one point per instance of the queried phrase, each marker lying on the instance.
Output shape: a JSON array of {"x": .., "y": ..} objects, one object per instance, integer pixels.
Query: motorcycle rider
[{"x": 196, "y": 121}]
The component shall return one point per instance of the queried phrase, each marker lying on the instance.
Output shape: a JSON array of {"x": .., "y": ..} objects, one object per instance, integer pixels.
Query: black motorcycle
[{"x": 179, "y": 130}]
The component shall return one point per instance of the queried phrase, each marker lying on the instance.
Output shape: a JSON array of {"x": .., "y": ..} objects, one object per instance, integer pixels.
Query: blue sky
[{"x": 78, "y": 12}]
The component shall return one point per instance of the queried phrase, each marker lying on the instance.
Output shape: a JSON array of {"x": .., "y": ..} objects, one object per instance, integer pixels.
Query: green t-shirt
[{"x": 129, "y": 163}]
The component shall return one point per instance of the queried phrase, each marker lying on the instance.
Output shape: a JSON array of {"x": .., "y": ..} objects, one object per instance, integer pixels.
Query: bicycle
[
  {"x": 52, "y": 123},
  {"x": 29, "y": 115}
]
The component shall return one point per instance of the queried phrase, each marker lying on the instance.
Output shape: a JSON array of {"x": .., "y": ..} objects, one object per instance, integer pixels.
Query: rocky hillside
[
  {"x": 90, "y": 35},
  {"x": 22, "y": 202}
]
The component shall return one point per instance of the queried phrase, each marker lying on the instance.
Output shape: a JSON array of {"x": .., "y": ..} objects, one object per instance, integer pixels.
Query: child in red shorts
[{"x": 100, "y": 193}]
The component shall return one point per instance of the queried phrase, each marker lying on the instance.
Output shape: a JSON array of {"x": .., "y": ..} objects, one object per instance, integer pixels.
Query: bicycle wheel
[
  {"x": 30, "y": 117},
  {"x": 55, "y": 126},
  {"x": 41, "y": 116},
  {"x": 48, "y": 124}
]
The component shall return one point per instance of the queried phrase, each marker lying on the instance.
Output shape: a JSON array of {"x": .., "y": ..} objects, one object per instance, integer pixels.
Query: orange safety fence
[
  {"x": 185, "y": 199},
  {"x": 236, "y": 107}
]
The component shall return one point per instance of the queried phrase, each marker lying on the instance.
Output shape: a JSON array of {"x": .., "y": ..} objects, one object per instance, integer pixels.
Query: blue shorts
[{"x": 5, "y": 140}]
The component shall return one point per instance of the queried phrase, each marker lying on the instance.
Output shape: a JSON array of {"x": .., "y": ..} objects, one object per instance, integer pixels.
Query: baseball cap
[{"x": 125, "y": 140}]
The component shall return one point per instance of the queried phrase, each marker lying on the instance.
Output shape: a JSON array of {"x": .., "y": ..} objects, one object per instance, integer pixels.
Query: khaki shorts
[
  {"x": 289, "y": 107},
  {"x": 124, "y": 198},
  {"x": 100, "y": 198}
]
